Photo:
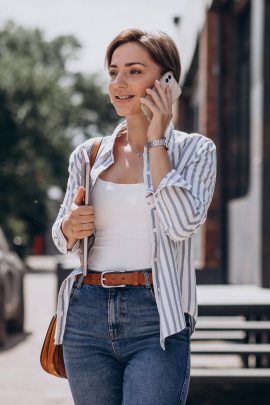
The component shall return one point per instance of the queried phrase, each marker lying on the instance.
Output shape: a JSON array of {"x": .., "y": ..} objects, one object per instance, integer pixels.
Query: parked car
[{"x": 12, "y": 271}]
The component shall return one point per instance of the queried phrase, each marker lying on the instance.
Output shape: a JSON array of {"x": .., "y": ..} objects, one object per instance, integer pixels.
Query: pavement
[
  {"x": 48, "y": 263},
  {"x": 23, "y": 381}
]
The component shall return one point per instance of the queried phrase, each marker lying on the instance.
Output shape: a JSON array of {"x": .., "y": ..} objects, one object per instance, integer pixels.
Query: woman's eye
[
  {"x": 112, "y": 73},
  {"x": 135, "y": 71}
]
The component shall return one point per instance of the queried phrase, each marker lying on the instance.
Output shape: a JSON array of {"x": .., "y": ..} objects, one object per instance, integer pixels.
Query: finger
[
  {"x": 79, "y": 199},
  {"x": 86, "y": 230},
  {"x": 76, "y": 222},
  {"x": 150, "y": 105},
  {"x": 82, "y": 211},
  {"x": 88, "y": 227},
  {"x": 85, "y": 210},
  {"x": 83, "y": 230},
  {"x": 87, "y": 219},
  {"x": 165, "y": 94},
  {"x": 164, "y": 112},
  {"x": 161, "y": 98},
  {"x": 156, "y": 99}
]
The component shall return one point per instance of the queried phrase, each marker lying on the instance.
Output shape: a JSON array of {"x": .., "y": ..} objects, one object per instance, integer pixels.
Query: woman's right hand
[{"x": 80, "y": 222}]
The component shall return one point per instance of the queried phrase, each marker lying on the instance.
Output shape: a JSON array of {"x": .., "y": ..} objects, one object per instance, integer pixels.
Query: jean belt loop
[
  {"x": 146, "y": 277},
  {"x": 80, "y": 281}
]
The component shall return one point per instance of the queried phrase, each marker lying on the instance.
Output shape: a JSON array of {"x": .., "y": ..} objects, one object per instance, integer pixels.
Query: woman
[{"x": 131, "y": 344}]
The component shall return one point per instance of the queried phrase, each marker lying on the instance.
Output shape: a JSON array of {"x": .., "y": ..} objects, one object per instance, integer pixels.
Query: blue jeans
[{"x": 112, "y": 349}]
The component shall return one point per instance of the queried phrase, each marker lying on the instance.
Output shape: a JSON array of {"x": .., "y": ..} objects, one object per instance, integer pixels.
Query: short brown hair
[{"x": 159, "y": 45}]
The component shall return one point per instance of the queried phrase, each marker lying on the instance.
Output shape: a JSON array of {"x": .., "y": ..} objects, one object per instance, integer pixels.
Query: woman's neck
[{"x": 137, "y": 128}]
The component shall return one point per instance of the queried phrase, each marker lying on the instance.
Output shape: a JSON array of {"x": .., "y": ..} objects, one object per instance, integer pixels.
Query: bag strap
[{"x": 94, "y": 150}]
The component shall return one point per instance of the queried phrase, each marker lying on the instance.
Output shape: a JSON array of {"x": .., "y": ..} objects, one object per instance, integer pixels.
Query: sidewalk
[
  {"x": 47, "y": 263},
  {"x": 23, "y": 382}
]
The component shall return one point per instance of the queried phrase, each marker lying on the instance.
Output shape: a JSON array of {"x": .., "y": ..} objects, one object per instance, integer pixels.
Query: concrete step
[
  {"x": 233, "y": 325},
  {"x": 226, "y": 348},
  {"x": 246, "y": 375}
]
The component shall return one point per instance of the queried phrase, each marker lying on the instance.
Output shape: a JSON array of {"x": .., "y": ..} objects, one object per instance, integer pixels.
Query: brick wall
[{"x": 208, "y": 71}]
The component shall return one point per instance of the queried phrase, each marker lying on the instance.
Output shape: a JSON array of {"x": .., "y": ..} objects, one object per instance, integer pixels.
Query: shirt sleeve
[
  {"x": 74, "y": 182},
  {"x": 184, "y": 194}
]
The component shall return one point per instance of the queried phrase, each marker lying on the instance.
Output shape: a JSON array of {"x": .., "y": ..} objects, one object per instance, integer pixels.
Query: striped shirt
[{"x": 176, "y": 210}]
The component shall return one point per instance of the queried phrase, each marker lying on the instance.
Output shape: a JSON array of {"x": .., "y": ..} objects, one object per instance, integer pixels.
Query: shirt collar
[{"x": 107, "y": 147}]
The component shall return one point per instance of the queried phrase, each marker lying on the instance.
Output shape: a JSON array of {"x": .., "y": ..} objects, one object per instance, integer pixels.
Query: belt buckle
[{"x": 102, "y": 279}]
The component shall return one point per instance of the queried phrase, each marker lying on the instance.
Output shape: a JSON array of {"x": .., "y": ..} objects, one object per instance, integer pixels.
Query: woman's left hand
[{"x": 161, "y": 108}]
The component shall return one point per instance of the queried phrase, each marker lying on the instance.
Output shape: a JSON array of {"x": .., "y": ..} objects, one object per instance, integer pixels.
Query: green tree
[{"x": 44, "y": 110}]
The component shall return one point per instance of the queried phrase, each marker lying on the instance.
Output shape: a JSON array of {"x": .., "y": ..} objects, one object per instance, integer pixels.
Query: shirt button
[
  {"x": 155, "y": 259},
  {"x": 154, "y": 229}
]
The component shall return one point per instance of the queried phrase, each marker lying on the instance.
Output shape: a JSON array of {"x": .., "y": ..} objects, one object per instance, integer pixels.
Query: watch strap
[{"x": 156, "y": 142}]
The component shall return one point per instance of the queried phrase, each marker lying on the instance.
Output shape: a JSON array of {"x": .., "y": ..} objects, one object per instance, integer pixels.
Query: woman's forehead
[{"x": 130, "y": 53}]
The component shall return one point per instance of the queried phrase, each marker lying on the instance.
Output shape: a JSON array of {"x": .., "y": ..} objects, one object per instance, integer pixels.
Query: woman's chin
[
  {"x": 121, "y": 113},
  {"x": 128, "y": 113}
]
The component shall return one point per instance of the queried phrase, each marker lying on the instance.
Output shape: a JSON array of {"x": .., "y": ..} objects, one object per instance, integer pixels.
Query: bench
[
  {"x": 233, "y": 325},
  {"x": 245, "y": 375},
  {"x": 230, "y": 348},
  {"x": 238, "y": 348},
  {"x": 234, "y": 330}
]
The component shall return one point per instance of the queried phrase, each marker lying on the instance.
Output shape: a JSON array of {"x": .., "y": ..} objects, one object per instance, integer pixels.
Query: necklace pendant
[{"x": 138, "y": 154}]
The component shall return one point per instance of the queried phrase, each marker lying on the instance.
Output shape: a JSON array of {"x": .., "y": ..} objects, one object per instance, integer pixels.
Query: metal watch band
[{"x": 156, "y": 142}]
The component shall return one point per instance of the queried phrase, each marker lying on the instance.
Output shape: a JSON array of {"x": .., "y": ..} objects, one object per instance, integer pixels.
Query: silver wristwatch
[{"x": 157, "y": 142}]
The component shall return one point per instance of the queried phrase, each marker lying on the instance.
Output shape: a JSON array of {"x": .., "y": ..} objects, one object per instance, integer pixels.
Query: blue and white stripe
[{"x": 176, "y": 209}]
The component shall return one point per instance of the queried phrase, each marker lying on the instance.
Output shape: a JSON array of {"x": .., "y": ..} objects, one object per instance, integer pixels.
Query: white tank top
[{"x": 121, "y": 226}]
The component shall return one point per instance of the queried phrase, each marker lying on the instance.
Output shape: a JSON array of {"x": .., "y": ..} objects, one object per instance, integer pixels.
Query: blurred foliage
[{"x": 45, "y": 110}]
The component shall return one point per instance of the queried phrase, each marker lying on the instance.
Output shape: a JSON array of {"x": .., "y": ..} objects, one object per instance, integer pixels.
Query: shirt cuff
[{"x": 75, "y": 247}]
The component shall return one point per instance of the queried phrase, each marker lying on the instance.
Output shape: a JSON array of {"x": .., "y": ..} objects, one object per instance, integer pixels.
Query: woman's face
[{"x": 131, "y": 72}]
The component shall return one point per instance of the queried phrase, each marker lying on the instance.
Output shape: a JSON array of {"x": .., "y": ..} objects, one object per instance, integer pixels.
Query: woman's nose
[{"x": 119, "y": 81}]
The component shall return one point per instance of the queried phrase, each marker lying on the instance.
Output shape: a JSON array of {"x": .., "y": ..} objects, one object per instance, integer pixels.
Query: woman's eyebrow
[{"x": 129, "y": 64}]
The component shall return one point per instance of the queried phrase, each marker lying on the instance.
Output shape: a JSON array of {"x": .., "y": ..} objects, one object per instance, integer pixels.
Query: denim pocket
[
  {"x": 74, "y": 291},
  {"x": 151, "y": 293}
]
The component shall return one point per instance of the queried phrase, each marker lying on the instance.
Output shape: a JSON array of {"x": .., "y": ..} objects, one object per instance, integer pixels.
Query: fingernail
[{"x": 157, "y": 81}]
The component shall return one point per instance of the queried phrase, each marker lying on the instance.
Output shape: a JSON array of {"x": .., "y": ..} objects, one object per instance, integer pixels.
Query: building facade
[{"x": 226, "y": 96}]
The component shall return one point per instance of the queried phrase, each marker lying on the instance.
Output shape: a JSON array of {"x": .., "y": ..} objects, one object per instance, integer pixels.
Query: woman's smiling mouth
[{"x": 123, "y": 97}]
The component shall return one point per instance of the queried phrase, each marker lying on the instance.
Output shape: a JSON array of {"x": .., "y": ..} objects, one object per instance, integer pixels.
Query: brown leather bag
[{"x": 51, "y": 357}]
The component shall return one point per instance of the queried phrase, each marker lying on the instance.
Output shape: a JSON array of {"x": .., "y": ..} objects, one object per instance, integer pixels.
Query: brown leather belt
[{"x": 117, "y": 279}]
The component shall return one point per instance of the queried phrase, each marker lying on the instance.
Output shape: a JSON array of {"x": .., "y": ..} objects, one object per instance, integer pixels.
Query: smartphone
[
  {"x": 166, "y": 79},
  {"x": 86, "y": 185}
]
